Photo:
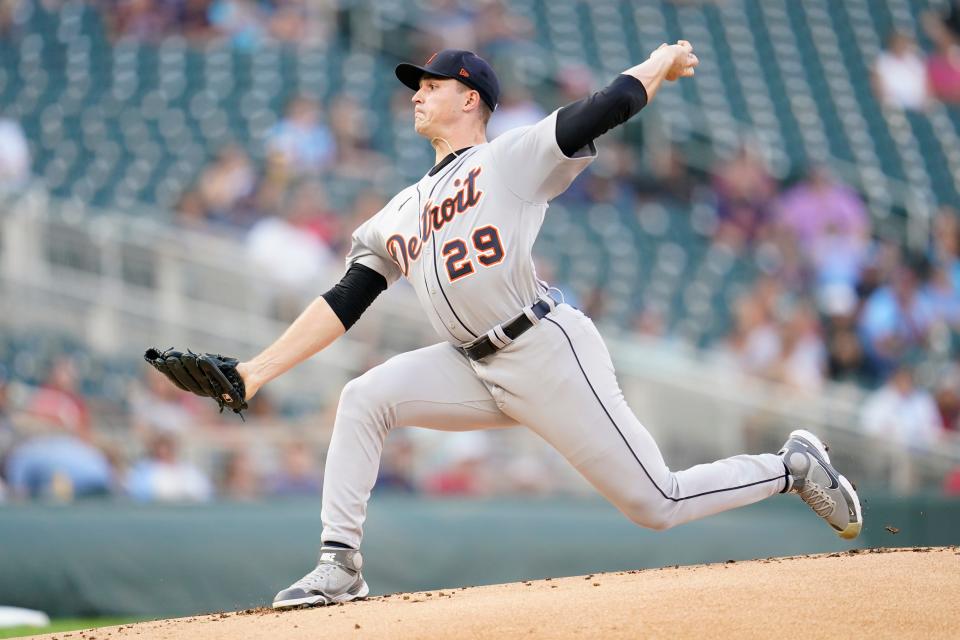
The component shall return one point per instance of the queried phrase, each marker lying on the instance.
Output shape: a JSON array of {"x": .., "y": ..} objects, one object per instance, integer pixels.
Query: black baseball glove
[{"x": 205, "y": 374}]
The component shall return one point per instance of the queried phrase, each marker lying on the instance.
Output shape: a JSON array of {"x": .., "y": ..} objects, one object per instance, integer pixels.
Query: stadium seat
[{"x": 131, "y": 124}]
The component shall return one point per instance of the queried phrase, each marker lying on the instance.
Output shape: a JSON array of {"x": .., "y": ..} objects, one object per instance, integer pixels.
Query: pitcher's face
[{"x": 439, "y": 106}]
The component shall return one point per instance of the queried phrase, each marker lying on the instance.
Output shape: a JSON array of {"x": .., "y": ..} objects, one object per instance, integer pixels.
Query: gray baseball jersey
[{"x": 463, "y": 237}]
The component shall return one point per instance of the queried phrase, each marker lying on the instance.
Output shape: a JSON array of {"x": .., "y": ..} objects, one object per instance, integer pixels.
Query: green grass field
[{"x": 65, "y": 624}]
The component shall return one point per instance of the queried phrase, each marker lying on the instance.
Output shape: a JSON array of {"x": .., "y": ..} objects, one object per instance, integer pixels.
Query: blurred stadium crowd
[{"x": 824, "y": 297}]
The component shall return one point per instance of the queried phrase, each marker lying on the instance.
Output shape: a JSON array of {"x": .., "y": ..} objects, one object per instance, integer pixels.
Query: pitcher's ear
[{"x": 473, "y": 100}]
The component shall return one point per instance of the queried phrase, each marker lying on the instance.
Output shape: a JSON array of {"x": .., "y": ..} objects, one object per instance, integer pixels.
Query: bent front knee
[
  {"x": 364, "y": 398},
  {"x": 352, "y": 394}
]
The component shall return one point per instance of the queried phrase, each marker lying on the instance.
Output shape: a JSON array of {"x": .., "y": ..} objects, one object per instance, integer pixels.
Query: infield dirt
[{"x": 891, "y": 593}]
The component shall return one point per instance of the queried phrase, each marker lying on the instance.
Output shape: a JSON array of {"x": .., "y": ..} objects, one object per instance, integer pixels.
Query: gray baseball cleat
[
  {"x": 336, "y": 579},
  {"x": 813, "y": 478}
]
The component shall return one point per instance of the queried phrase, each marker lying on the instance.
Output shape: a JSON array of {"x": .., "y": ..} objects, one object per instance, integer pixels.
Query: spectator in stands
[
  {"x": 59, "y": 400},
  {"x": 352, "y": 126},
  {"x": 820, "y": 206},
  {"x": 448, "y": 24},
  {"x": 942, "y": 296},
  {"x": 227, "y": 187},
  {"x": 290, "y": 253},
  {"x": 191, "y": 210},
  {"x": 299, "y": 473},
  {"x": 943, "y": 286},
  {"x": 951, "y": 483},
  {"x": 301, "y": 21},
  {"x": 6, "y": 17},
  {"x": 895, "y": 321},
  {"x": 608, "y": 181},
  {"x": 264, "y": 412},
  {"x": 193, "y": 19},
  {"x": 836, "y": 259},
  {"x": 574, "y": 81},
  {"x": 951, "y": 18},
  {"x": 773, "y": 295},
  {"x": 884, "y": 260},
  {"x": 651, "y": 321},
  {"x": 146, "y": 20},
  {"x": 901, "y": 412},
  {"x": 14, "y": 157},
  {"x": 669, "y": 177},
  {"x": 311, "y": 212},
  {"x": 803, "y": 355},
  {"x": 240, "y": 480},
  {"x": 517, "y": 108},
  {"x": 754, "y": 343},
  {"x": 275, "y": 183},
  {"x": 943, "y": 71},
  {"x": 500, "y": 33},
  {"x": 846, "y": 361},
  {"x": 59, "y": 467},
  {"x": 463, "y": 471},
  {"x": 899, "y": 75},
  {"x": 7, "y": 431},
  {"x": 157, "y": 406},
  {"x": 943, "y": 23},
  {"x": 301, "y": 139},
  {"x": 945, "y": 243},
  {"x": 780, "y": 256},
  {"x": 947, "y": 396},
  {"x": 242, "y": 22},
  {"x": 291, "y": 247},
  {"x": 745, "y": 193},
  {"x": 162, "y": 476}
]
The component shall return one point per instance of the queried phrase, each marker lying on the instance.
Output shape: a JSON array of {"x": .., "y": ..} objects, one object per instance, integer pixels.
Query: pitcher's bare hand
[{"x": 683, "y": 61}]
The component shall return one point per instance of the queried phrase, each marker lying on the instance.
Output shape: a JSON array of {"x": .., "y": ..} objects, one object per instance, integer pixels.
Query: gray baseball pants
[{"x": 558, "y": 380}]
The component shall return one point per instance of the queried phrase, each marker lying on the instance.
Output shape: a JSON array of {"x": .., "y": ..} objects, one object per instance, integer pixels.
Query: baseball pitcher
[{"x": 512, "y": 352}]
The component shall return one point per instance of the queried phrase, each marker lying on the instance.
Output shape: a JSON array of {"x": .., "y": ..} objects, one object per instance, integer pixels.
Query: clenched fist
[{"x": 681, "y": 58}]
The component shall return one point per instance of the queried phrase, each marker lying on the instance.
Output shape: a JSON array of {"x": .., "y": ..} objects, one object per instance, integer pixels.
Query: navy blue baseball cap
[{"x": 465, "y": 66}]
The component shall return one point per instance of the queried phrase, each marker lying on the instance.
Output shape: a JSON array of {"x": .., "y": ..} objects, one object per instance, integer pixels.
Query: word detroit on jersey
[{"x": 511, "y": 353}]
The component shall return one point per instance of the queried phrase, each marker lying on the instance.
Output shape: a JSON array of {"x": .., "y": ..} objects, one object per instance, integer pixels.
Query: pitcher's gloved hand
[{"x": 205, "y": 374}]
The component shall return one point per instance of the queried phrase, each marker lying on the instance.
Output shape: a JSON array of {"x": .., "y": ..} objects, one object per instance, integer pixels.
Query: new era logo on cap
[{"x": 465, "y": 66}]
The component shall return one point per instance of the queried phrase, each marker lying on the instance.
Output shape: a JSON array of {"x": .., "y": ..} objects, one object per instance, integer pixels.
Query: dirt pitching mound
[{"x": 862, "y": 593}]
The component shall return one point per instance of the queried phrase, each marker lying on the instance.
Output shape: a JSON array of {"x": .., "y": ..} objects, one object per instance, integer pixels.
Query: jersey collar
[{"x": 447, "y": 160}]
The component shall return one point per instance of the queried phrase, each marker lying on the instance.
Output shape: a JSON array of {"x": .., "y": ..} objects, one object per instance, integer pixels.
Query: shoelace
[
  {"x": 816, "y": 496},
  {"x": 316, "y": 578}
]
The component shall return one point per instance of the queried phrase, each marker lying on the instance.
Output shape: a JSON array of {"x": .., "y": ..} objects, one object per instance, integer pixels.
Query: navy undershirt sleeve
[
  {"x": 581, "y": 122},
  {"x": 356, "y": 291}
]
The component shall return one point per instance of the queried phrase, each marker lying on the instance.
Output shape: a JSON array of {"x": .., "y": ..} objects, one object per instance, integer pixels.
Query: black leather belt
[{"x": 483, "y": 346}]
